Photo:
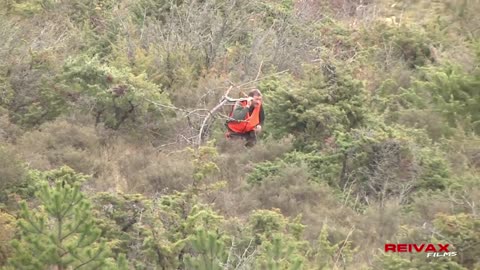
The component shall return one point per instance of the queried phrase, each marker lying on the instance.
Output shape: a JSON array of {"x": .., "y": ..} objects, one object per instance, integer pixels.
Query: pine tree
[
  {"x": 60, "y": 233},
  {"x": 280, "y": 254},
  {"x": 332, "y": 255},
  {"x": 210, "y": 249}
]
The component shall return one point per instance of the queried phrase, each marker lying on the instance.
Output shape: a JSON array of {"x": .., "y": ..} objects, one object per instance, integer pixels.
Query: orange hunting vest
[{"x": 251, "y": 121}]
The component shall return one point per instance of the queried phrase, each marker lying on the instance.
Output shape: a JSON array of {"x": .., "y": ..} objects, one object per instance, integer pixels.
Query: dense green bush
[
  {"x": 327, "y": 102},
  {"x": 405, "y": 43},
  {"x": 453, "y": 94},
  {"x": 112, "y": 95},
  {"x": 442, "y": 99}
]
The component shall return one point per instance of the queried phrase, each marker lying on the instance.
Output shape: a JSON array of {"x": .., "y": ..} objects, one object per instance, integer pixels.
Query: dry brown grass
[
  {"x": 115, "y": 162},
  {"x": 60, "y": 143}
]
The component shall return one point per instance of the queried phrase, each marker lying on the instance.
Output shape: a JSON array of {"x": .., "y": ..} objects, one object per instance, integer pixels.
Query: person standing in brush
[{"x": 247, "y": 119}]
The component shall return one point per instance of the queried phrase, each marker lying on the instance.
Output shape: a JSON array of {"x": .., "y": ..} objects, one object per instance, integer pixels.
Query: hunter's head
[{"x": 257, "y": 97}]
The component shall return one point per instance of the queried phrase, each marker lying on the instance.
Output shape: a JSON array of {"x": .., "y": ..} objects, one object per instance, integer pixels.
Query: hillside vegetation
[{"x": 372, "y": 134}]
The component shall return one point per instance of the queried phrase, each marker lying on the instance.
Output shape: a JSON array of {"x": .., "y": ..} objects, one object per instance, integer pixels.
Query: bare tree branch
[
  {"x": 210, "y": 113},
  {"x": 259, "y": 70}
]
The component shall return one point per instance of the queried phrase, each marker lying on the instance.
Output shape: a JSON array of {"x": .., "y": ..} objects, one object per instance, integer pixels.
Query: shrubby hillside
[{"x": 372, "y": 134}]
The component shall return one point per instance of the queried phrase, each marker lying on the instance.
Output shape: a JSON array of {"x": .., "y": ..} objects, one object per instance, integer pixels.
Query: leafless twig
[
  {"x": 259, "y": 70},
  {"x": 210, "y": 113},
  {"x": 345, "y": 243}
]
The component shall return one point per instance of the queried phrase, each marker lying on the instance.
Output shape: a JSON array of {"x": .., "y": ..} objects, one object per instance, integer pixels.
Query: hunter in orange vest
[{"x": 247, "y": 119}]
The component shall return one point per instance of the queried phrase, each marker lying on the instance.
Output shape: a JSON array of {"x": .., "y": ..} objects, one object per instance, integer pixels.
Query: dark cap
[{"x": 254, "y": 92}]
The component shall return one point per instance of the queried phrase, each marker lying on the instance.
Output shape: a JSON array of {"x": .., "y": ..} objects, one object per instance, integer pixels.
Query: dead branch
[
  {"x": 345, "y": 243},
  {"x": 211, "y": 112},
  {"x": 259, "y": 70}
]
